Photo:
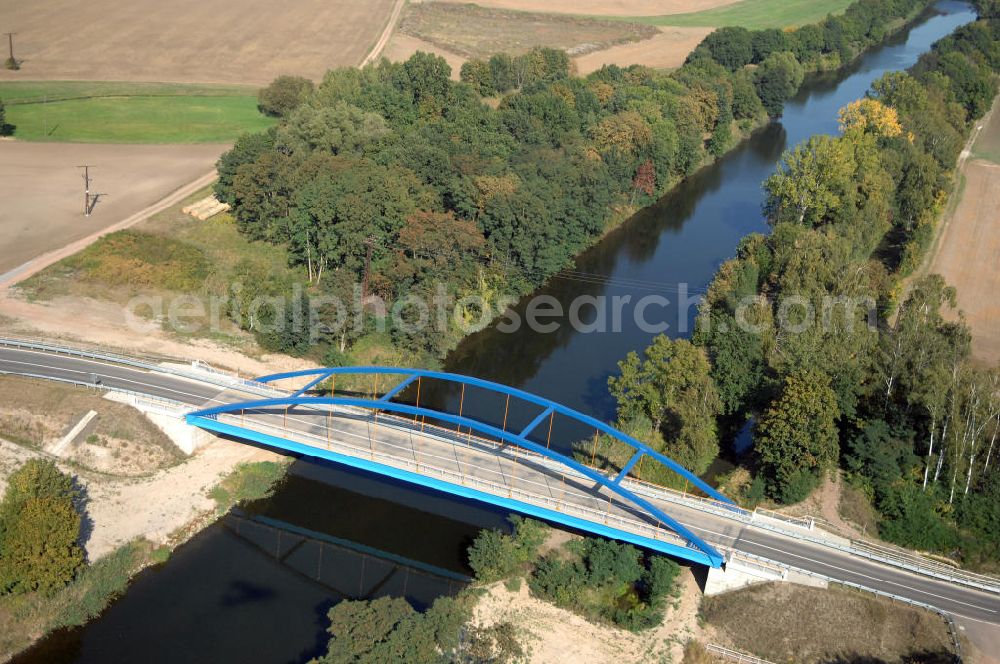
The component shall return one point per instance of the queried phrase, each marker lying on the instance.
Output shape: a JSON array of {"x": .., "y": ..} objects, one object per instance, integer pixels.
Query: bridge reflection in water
[
  {"x": 348, "y": 569},
  {"x": 465, "y": 456}
]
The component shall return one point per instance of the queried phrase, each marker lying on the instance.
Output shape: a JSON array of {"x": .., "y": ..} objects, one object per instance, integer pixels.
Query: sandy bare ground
[
  {"x": 205, "y": 41},
  {"x": 666, "y": 50},
  {"x": 555, "y": 635},
  {"x": 42, "y": 190},
  {"x": 605, "y": 7},
  {"x": 967, "y": 252},
  {"x": 153, "y": 507},
  {"x": 158, "y": 506}
]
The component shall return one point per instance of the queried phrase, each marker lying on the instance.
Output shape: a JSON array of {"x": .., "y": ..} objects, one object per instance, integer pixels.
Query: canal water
[{"x": 256, "y": 586}]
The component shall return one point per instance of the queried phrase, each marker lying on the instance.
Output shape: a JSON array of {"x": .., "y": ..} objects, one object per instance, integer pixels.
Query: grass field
[
  {"x": 987, "y": 145},
  {"x": 785, "y": 623},
  {"x": 754, "y": 14},
  {"x": 130, "y": 112}
]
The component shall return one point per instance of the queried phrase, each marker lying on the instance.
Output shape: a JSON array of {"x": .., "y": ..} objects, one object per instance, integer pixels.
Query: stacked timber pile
[{"x": 205, "y": 208}]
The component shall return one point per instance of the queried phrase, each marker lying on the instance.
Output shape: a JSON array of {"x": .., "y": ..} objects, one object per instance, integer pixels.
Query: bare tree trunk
[
  {"x": 309, "y": 262},
  {"x": 940, "y": 461},
  {"x": 989, "y": 453},
  {"x": 930, "y": 451}
]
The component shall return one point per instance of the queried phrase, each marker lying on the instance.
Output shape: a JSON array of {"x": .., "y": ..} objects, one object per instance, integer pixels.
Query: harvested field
[
  {"x": 782, "y": 622},
  {"x": 666, "y": 50},
  {"x": 472, "y": 31},
  {"x": 43, "y": 190},
  {"x": 605, "y": 7},
  {"x": 969, "y": 256},
  {"x": 968, "y": 250},
  {"x": 191, "y": 40},
  {"x": 401, "y": 47}
]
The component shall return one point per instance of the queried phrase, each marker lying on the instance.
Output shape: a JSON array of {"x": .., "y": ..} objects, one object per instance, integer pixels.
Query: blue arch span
[
  {"x": 412, "y": 374},
  {"x": 706, "y": 554}
]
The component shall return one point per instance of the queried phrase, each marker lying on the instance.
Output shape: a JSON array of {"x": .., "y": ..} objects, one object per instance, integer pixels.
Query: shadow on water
[{"x": 233, "y": 596}]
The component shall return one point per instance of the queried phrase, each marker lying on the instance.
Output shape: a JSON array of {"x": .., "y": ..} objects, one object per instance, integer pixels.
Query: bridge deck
[{"x": 501, "y": 473}]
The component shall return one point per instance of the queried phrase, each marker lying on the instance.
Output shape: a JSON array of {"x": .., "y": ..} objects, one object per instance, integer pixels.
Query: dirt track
[
  {"x": 42, "y": 189},
  {"x": 604, "y": 7},
  {"x": 204, "y": 41}
]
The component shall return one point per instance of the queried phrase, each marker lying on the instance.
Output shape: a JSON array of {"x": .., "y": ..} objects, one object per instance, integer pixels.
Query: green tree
[
  {"x": 813, "y": 182},
  {"x": 766, "y": 42},
  {"x": 777, "y": 78},
  {"x": 673, "y": 388},
  {"x": 390, "y": 630},
  {"x": 341, "y": 128},
  {"x": 246, "y": 150},
  {"x": 731, "y": 47},
  {"x": 796, "y": 439},
  {"x": 495, "y": 555},
  {"x": 284, "y": 95},
  {"x": 477, "y": 73}
]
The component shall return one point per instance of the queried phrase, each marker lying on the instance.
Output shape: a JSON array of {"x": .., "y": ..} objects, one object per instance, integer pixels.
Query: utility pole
[
  {"x": 11, "y": 62},
  {"x": 369, "y": 242},
  {"x": 86, "y": 189}
]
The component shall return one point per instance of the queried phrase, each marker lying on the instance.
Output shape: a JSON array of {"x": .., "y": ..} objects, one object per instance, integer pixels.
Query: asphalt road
[{"x": 959, "y": 600}]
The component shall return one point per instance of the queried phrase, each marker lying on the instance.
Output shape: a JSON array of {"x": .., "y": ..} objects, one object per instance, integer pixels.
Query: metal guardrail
[
  {"x": 735, "y": 655},
  {"x": 138, "y": 397},
  {"x": 148, "y": 363},
  {"x": 909, "y": 562}
]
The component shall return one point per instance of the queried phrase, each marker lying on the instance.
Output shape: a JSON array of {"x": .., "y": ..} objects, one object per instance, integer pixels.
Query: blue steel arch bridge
[{"x": 519, "y": 470}]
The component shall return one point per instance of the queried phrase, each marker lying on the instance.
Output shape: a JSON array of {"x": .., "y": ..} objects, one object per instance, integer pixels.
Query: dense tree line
[
  {"x": 491, "y": 198},
  {"x": 780, "y": 58},
  {"x": 786, "y": 324}
]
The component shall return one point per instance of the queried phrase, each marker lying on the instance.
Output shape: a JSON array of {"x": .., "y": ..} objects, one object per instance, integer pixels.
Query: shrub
[
  {"x": 39, "y": 549},
  {"x": 284, "y": 95},
  {"x": 494, "y": 555},
  {"x": 607, "y": 580},
  {"x": 390, "y": 630}
]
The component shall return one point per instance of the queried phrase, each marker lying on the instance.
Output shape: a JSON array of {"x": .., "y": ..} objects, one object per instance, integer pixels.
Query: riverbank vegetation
[
  {"x": 828, "y": 43},
  {"x": 600, "y": 579},
  {"x": 389, "y": 629},
  {"x": 898, "y": 406},
  {"x": 398, "y": 177},
  {"x": 248, "y": 482},
  {"x": 45, "y": 582},
  {"x": 24, "y": 618}
]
